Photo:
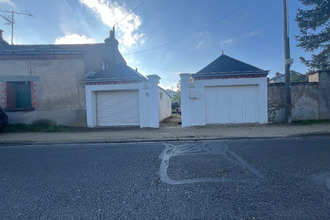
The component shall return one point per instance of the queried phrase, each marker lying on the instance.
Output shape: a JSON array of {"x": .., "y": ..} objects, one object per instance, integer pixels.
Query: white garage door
[
  {"x": 231, "y": 104},
  {"x": 115, "y": 108}
]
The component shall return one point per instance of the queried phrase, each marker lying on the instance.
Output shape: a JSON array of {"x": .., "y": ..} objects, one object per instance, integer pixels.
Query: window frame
[{"x": 14, "y": 85}]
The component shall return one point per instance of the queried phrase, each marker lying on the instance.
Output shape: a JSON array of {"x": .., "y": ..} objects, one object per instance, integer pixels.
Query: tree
[
  {"x": 177, "y": 96},
  {"x": 298, "y": 77},
  {"x": 314, "y": 25}
]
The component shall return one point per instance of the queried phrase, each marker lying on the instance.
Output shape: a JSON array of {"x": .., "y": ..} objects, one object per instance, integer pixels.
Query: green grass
[
  {"x": 310, "y": 122},
  {"x": 34, "y": 128}
]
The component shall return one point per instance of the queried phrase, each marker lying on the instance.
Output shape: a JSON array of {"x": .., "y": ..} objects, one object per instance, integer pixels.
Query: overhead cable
[
  {"x": 131, "y": 12},
  {"x": 191, "y": 34}
]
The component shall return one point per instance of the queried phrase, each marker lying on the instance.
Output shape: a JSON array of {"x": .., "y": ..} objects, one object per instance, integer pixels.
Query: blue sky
[{"x": 248, "y": 30}]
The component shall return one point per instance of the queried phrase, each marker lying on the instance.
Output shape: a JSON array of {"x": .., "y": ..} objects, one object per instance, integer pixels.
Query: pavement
[{"x": 169, "y": 130}]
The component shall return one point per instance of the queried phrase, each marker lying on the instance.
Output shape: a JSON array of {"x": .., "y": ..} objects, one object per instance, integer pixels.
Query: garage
[
  {"x": 225, "y": 91},
  {"x": 231, "y": 104},
  {"x": 117, "y": 108}
]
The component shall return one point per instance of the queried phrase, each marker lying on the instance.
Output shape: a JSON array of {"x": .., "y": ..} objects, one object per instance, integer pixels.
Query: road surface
[{"x": 283, "y": 178}]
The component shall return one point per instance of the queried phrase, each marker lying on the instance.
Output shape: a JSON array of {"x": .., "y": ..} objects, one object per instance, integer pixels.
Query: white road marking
[{"x": 222, "y": 150}]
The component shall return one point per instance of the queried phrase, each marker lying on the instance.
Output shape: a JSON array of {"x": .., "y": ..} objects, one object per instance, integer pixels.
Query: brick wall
[{"x": 33, "y": 94}]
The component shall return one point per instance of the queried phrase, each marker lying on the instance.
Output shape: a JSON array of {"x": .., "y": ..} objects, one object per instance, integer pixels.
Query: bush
[
  {"x": 44, "y": 123},
  {"x": 37, "y": 126}
]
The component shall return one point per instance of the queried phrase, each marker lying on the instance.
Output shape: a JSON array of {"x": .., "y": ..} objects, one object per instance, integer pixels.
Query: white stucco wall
[
  {"x": 164, "y": 104},
  {"x": 193, "y": 97},
  {"x": 148, "y": 97}
]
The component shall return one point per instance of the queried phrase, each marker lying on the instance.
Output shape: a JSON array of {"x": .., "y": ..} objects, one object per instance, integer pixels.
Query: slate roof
[
  {"x": 46, "y": 49},
  {"x": 228, "y": 65},
  {"x": 117, "y": 72},
  {"x": 278, "y": 79}
]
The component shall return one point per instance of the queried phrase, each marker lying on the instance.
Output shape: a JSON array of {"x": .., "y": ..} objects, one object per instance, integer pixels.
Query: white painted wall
[
  {"x": 193, "y": 97},
  {"x": 164, "y": 104},
  {"x": 153, "y": 101},
  {"x": 148, "y": 94}
]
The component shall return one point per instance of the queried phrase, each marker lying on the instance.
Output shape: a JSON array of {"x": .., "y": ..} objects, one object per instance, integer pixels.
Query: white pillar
[
  {"x": 153, "y": 101},
  {"x": 185, "y": 101},
  {"x": 90, "y": 107}
]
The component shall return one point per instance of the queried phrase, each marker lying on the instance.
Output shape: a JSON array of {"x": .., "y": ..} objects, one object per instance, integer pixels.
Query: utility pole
[
  {"x": 12, "y": 21},
  {"x": 287, "y": 63}
]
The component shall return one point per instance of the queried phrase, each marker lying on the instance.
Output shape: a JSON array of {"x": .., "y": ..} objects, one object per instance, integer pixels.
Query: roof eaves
[
  {"x": 232, "y": 73},
  {"x": 47, "y": 48},
  {"x": 111, "y": 79},
  {"x": 164, "y": 91}
]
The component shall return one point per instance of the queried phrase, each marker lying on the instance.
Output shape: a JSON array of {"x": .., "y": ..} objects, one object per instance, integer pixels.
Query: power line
[
  {"x": 131, "y": 12},
  {"x": 191, "y": 34}
]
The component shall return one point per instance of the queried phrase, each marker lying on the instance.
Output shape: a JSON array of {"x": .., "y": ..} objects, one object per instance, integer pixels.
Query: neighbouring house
[
  {"x": 58, "y": 83},
  {"x": 225, "y": 91},
  {"x": 278, "y": 78},
  {"x": 294, "y": 77},
  {"x": 170, "y": 92},
  {"x": 165, "y": 101}
]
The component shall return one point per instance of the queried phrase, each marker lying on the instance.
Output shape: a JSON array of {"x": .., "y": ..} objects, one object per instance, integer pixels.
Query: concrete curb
[{"x": 189, "y": 139}]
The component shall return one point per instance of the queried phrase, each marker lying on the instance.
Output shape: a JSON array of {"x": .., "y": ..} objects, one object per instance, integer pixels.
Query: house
[
  {"x": 56, "y": 82},
  {"x": 170, "y": 92},
  {"x": 294, "y": 77},
  {"x": 165, "y": 101},
  {"x": 278, "y": 78},
  {"x": 225, "y": 91}
]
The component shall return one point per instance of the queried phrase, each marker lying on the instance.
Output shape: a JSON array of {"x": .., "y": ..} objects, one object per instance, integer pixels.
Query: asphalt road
[{"x": 284, "y": 178}]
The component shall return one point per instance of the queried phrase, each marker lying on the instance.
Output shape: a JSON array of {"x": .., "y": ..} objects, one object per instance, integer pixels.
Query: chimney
[
  {"x": 277, "y": 74},
  {"x": 222, "y": 52},
  {"x": 112, "y": 37},
  {"x": 2, "y": 41},
  {"x": 112, "y": 33}
]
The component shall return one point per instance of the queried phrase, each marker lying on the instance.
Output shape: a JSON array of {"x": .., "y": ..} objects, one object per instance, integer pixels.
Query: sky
[{"x": 165, "y": 37}]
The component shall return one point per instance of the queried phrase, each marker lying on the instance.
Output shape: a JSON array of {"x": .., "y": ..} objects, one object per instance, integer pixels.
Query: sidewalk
[{"x": 169, "y": 130}]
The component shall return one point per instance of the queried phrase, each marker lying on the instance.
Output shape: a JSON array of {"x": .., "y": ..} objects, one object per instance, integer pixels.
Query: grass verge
[
  {"x": 310, "y": 122},
  {"x": 20, "y": 128}
]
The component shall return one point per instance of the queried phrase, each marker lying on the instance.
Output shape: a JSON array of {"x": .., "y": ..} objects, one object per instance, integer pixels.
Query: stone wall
[
  {"x": 57, "y": 89},
  {"x": 309, "y": 100},
  {"x": 304, "y": 97},
  {"x": 324, "y": 94}
]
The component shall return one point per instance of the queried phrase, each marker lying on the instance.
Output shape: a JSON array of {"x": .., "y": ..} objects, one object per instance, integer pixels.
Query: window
[
  {"x": 105, "y": 63},
  {"x": 19, "y": 95}
]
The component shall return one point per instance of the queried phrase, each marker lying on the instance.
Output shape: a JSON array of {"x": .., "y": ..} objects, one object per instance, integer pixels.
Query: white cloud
[
  {"x": 69, "y": 20},
  {"x": 168, "y": 56},
  {"x": 200, "y": 44},
  {"x": 74, "y": 39},
  {"x": 199, "y": 34},
  {"x": 8, "y": 2},
  {"x": 133, "y": 62},
  {"x": 110, "y": 13},
  {"x": 253, "y": 33},
  {"x": 226, "y": 42}
]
